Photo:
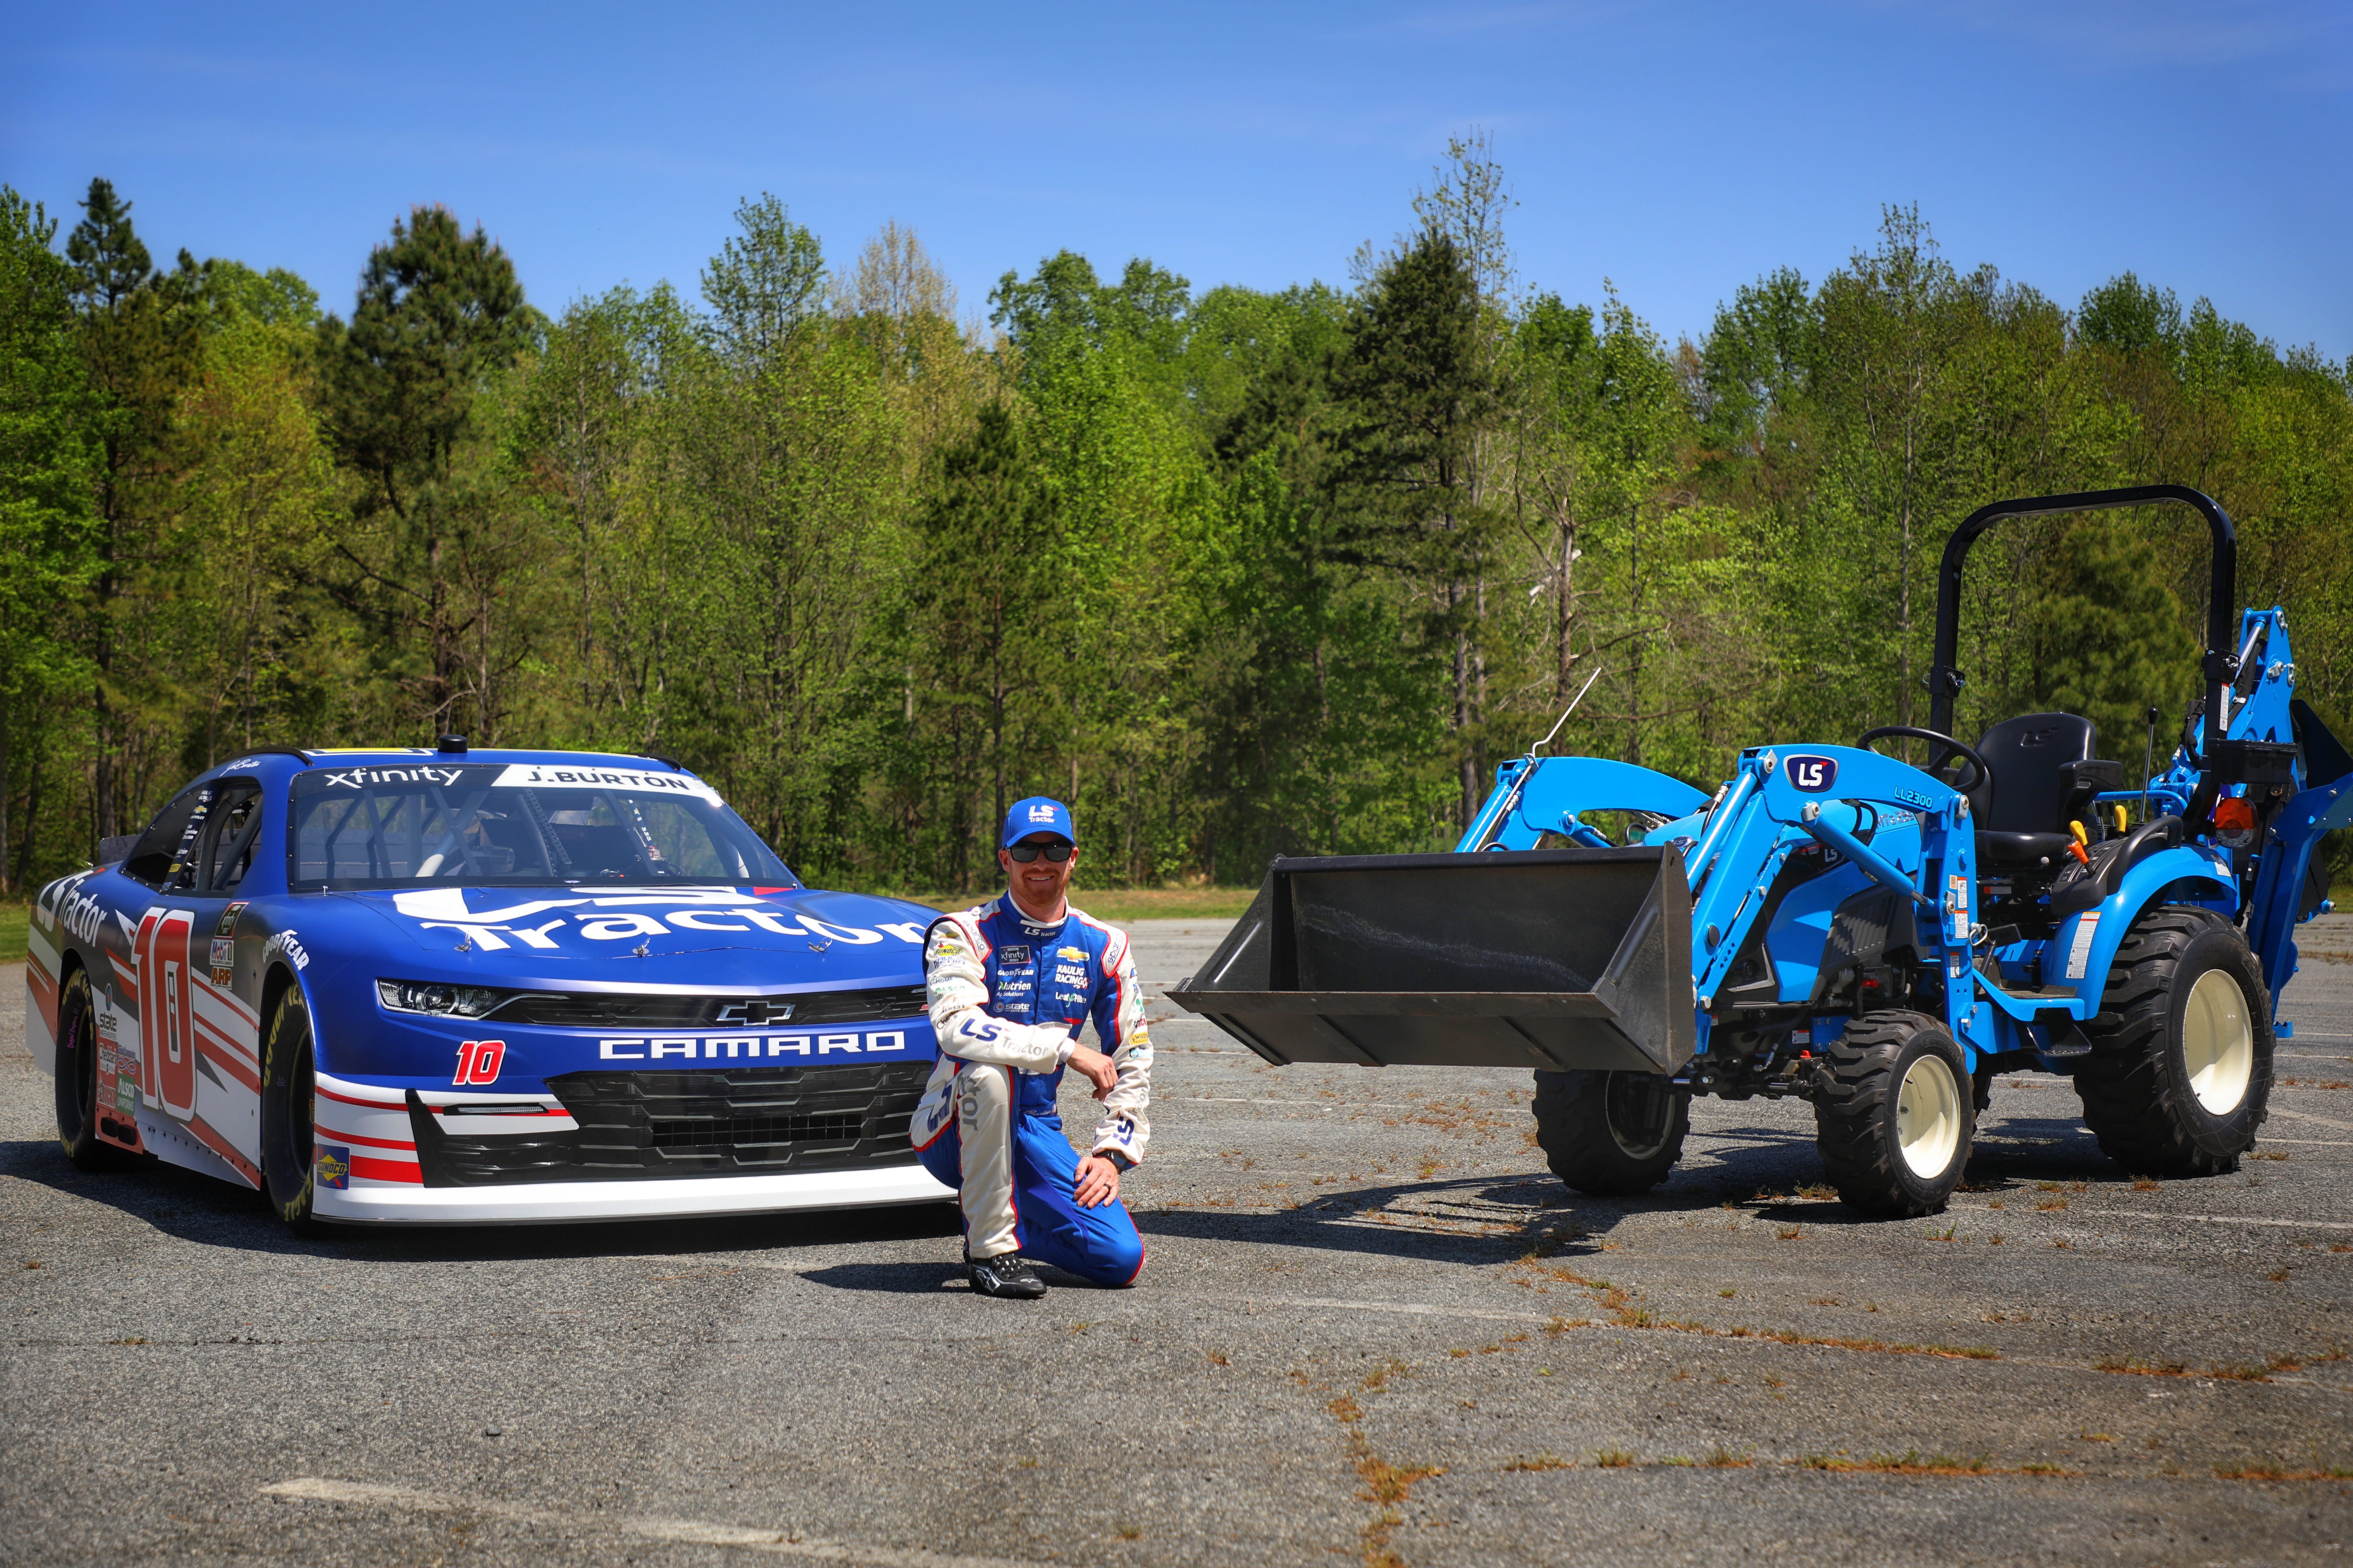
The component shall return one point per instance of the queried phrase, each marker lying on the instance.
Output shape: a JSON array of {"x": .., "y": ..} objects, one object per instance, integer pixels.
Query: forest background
[{"x": 1235, "y": 573}]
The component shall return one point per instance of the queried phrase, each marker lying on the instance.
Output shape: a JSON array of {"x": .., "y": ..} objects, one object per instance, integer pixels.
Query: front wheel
[
  {"x": 1895, "y": 1117},
  {"x": 288, "y": 1142},
  {"x": 2180, "y": 1071},
  {"x": 1610, "y": 1135}
]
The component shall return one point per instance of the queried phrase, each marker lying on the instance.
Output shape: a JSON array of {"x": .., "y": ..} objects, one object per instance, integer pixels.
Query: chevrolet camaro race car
[{"x": 416, "y": 987}]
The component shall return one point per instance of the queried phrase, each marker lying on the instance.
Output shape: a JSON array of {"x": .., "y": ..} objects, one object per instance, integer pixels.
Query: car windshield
[{"x": 402, "y": 824}]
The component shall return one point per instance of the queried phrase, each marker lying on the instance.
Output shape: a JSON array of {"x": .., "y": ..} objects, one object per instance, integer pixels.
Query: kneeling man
[{"x": 1011, "y": 981}]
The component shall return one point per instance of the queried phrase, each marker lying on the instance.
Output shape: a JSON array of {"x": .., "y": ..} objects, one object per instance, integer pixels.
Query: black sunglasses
[{"x": 1057, "y": 853}]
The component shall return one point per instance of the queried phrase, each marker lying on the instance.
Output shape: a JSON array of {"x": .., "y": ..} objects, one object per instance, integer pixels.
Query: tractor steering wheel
[{"x": 1978, "y": 771}]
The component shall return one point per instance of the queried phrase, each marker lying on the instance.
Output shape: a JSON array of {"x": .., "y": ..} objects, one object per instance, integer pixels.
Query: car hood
[{"x": 655, "y": 936}]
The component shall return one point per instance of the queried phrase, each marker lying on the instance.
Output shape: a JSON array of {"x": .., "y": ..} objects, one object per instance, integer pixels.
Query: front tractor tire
[
  {"x": 289, "y": 1143},
  {"x": 1894, "y": 1115},
  {"x": 2180, "y": 1071},
  {"x": 1610, "y": 1135}
]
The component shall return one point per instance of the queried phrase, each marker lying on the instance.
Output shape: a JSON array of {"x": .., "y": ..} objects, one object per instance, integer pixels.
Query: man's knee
[{"x": 984, "y": 1091}]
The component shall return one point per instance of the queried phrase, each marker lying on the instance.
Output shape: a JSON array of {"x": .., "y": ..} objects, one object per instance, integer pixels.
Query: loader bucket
[{"x": 1539, "y": 958}]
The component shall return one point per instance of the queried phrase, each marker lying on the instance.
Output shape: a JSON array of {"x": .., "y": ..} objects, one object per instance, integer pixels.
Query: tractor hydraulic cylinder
[{"x": 1875, "y": 866}]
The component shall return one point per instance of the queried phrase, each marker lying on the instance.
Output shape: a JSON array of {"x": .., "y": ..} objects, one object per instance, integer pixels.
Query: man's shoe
[{"x": 1004, "y": 1275}]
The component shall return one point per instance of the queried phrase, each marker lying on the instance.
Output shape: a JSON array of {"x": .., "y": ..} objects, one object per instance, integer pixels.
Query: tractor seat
[{"x": 2042, "y": 777}]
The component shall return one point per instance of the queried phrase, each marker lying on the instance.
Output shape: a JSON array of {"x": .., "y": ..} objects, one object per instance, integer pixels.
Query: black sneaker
[{"x": 1004, "y": 1275}]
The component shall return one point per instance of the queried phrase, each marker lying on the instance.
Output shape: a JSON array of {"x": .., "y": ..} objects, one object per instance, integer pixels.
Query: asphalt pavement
[{"x": 1371, "y": 1328}]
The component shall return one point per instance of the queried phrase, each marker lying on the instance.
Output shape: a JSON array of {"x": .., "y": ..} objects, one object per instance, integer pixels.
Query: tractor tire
[
  {"x": 289, "y": 1141},
  {"x": 76, "y": 1069},
  {"x": 1894, "y": 1115},
  {"x": 1610, "y": 1135},
  {"x": 2180, "y": 1071}
]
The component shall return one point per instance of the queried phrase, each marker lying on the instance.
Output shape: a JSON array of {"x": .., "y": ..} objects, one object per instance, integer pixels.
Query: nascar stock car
[{"x": 449, "y": 987}]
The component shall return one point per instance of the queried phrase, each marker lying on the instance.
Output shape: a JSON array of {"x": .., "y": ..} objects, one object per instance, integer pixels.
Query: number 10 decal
[{"x": 479, "y": 1061}]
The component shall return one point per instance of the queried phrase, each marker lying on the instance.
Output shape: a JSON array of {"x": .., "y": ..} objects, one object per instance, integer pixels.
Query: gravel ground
[{"x": 1372, "y": 1327}]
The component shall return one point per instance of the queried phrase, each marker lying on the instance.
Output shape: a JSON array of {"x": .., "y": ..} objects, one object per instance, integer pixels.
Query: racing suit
[{"x": 1008, "y": 997}]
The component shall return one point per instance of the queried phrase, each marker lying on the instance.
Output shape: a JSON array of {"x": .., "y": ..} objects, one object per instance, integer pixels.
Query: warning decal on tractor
[{"x": 2079, "y": 954}]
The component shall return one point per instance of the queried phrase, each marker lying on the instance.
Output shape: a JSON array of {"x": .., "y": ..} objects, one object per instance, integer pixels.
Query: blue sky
[{"x": 1677, "y": 149}]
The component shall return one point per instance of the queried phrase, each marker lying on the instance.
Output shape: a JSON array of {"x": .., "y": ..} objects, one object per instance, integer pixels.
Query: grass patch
[
  {"x": 1912, "y": 1462},
  {"x": 1723, "y": 1458},
  {"x": 1613, "y": 1458},
  {"x": 14, "y": 918}
]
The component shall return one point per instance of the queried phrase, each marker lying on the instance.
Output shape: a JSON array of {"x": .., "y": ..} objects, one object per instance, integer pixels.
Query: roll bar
[{"x": 2221, "y": 663}]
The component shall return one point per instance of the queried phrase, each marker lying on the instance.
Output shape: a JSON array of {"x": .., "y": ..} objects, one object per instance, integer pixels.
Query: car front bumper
[{"x": 549, "y": 1203}]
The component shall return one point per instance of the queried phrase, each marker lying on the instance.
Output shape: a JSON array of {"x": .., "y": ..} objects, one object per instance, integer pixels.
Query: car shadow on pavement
[{"x": 199, "y": 1208}]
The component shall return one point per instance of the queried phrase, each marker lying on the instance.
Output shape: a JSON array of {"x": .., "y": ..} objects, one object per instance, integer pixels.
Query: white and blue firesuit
[{"x": 1008, "y": 998}]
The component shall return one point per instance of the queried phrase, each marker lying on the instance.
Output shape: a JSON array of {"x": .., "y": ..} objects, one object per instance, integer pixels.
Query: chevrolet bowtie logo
[{"x": 754, "y": 1013}]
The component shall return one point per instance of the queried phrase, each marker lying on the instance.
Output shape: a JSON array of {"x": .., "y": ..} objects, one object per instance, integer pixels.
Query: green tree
[{"x": 50, "y": 460}]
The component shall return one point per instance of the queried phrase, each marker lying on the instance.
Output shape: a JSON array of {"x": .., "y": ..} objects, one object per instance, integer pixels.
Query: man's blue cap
[{"x": 1038, "y": 814}]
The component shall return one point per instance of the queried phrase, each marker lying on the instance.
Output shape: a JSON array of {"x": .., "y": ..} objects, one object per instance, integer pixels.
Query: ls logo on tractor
[{"x": 1812, "y": 775}]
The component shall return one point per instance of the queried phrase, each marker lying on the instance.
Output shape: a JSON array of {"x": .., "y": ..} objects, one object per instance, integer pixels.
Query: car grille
[
  {"x": 765, "y": 1121},
  {"x": 602, "y": 1010}
]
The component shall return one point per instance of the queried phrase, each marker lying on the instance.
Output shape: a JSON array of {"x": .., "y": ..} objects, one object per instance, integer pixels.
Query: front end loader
[{"x": 1835, "y": 924}]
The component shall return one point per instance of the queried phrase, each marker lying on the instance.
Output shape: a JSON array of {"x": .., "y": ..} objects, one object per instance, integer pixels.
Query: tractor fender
[{"x": 2086, "y": 943}]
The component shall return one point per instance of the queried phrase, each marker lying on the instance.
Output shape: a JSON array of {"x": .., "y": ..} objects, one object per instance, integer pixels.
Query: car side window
[
  {"x": 230, "y": 829},
  {"x": 158, "y": 849}
]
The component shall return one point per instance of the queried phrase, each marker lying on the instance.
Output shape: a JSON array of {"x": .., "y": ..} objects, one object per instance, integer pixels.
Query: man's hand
[
  {"x": 1097, "y": 1069},
  {"x": 1098, "y": 1179}
]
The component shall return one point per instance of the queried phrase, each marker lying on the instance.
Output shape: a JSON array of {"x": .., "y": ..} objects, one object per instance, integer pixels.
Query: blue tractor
[{"x": 1833, "y": 923}]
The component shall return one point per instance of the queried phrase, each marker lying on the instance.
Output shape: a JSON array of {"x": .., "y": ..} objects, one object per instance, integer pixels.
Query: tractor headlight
[{"x": 431, "y": 996}]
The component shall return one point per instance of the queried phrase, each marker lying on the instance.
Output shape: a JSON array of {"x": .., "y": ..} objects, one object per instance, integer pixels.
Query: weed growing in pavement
[
  {"x": 1912, "y": 1463},
  {"x": 1129, "y": 1532},
  {"x": 1994, "y": 1240},
  {"x": 1787, "y": 1233},
  {"x": 2341, "y": 1246},
  {"x": 2049, "y": 1204},
  {"x": 1723, "y": 1458},
  {"x": 1821, "y": 1300},
  {"x": 2062, "y": 1244},
  {"x": 2266, "y": 1154},
  {"x": 2275, "y": 1473},
  {"x": 1994, "y": 1203},
  {"x": 1613, "y": 1458},
  {"x": 1548, "y": 1461},
  {"x": 2084, "y": 1436},
  {"x": 1728, "y": 1295},
  {"x": 2144, "y": 1184},
  {"x": 1217, "y": 1358}
]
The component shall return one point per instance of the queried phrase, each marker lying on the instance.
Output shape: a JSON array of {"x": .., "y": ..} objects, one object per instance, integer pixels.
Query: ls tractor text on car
[{"x": 1832, "y": 923}]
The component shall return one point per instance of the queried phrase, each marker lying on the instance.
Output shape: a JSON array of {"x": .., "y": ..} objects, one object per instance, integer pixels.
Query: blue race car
[{"x": 436, "y": 987}]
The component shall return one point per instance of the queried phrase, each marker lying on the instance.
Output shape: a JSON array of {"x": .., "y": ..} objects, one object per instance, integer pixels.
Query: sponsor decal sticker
[
  {"x": 223, "y": 952},
  {"x": 286, "y": 942},
  {"x": 360, "y": 778},
  {"x": 1075, "y": 954},
  {"x": 126, "y": 1094},
  {"x": 227, "y": 926},
  {"x": 1015, "y": 957},
  {"x": 334, "y": 1166}
]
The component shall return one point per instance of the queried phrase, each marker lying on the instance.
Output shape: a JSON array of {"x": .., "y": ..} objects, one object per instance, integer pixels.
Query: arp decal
[
  {"x": 479, "y": 1061},
  {"x": 1812, "y": 774}
]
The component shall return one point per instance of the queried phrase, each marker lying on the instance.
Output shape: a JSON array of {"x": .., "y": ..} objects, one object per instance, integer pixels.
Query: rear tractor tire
[
  {"x": 1610, "y": 1135},
  {"x": 1894, "y": 1115},
  {"x": 2180, "y": 1071}
]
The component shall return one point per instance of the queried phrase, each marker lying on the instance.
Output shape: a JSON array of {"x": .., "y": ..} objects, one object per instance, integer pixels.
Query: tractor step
[{"x": 1553, "y": 958}]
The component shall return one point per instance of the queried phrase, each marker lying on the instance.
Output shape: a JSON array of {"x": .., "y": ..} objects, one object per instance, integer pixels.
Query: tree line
[{"x": 1237, "y": 572}]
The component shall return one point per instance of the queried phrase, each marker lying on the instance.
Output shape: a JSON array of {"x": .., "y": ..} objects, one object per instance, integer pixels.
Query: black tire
[
  {"x": 1610, "y": 1135},
  {"x": 287, "y": 1140},
  {"x": 2156, "y": 1111},
  {"x": 76, "y": 1080},
  {"x": 1885, "y": 1086}
]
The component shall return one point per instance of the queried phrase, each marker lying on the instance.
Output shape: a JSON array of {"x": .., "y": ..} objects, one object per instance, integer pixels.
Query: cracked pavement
[{"x": 1372, "y": 1327}]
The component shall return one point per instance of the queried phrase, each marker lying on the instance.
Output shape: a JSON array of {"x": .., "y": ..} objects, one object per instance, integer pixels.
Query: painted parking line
[
  {"x": 2165, "y": 1217},
  {"x": 698, "y": 1532},
  {"x": 2309, "y": 1116}
]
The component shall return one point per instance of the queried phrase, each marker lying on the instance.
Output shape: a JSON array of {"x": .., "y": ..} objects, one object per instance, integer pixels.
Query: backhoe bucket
[{"x": 1540, "y": 958}]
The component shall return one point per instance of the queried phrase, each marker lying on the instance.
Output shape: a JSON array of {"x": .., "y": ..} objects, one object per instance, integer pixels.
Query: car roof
[{"x": 278, "y": 760}]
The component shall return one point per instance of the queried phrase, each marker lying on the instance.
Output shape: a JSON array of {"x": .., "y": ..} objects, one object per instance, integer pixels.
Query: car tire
[
  {"x": 76, "y": 1080},
  {"x": 289, "y": 1141},
  {"x": 2179, "y": 1077},
  {"x": 1894, "y": 1114},
  {"x": 1610, "y": 1135}
]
